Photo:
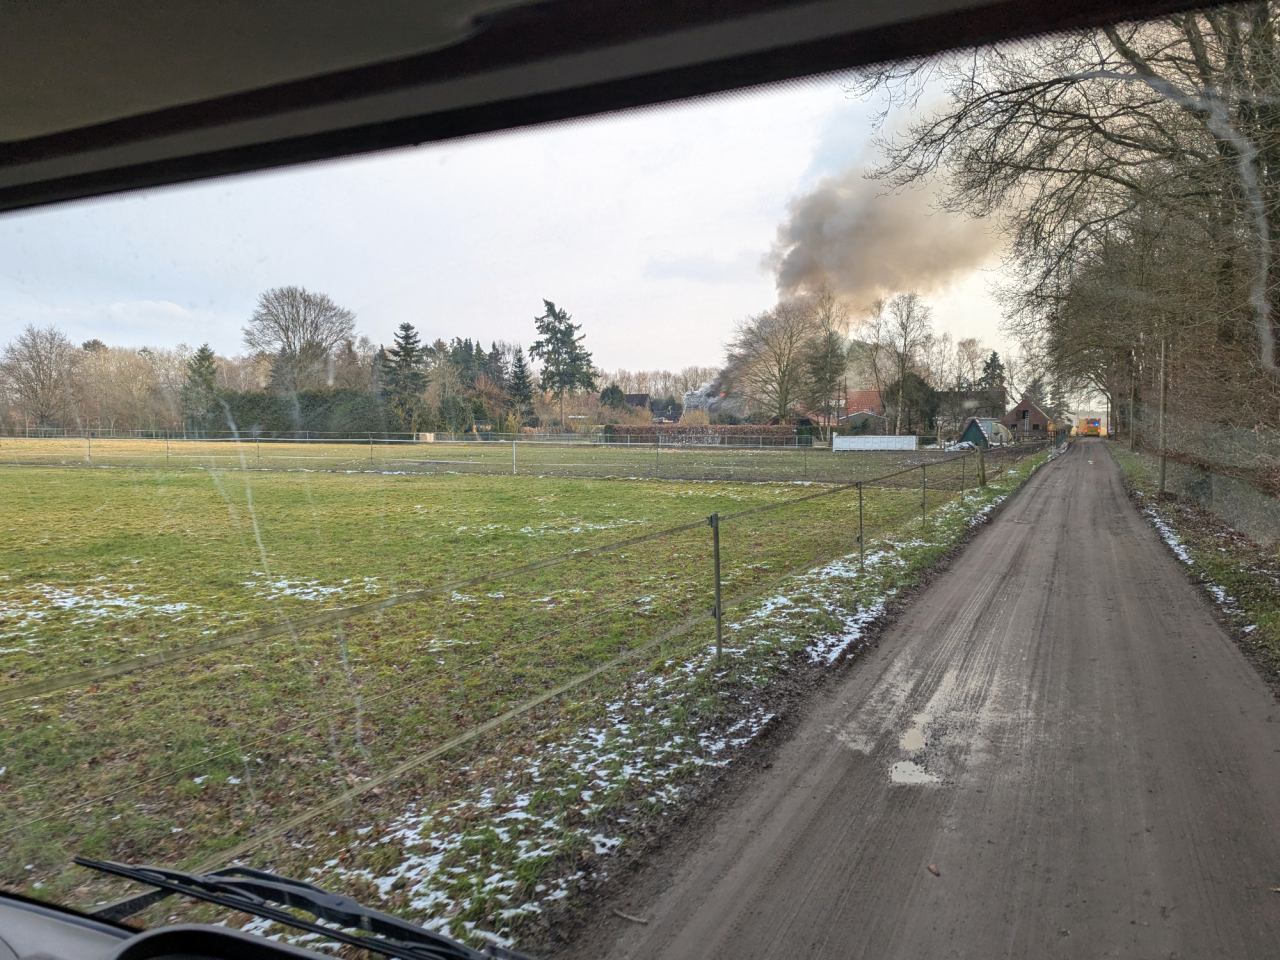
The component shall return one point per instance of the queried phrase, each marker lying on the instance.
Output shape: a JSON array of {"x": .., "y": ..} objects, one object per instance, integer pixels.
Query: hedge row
[{"x": 262, "y": 413}]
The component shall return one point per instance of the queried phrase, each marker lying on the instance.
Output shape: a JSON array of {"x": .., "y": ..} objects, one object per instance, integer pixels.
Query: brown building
[{"x": 1028, "y": 420}]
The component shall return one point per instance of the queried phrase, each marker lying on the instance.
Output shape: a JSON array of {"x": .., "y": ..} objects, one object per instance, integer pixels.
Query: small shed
[
  {"x": 864, "y": 421},
  {"x": 985, "y": 432}
]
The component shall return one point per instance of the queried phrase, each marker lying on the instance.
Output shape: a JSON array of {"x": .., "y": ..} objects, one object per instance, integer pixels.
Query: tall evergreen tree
[
  {"x": 992, "y": 373},
  {"x": 992, "y": 383},
  {"x": 200, "y": 391},
  {"x": 566, "y": 363},
  {"x": 404, "y": 377},
  {"x": 1036, "y": 391},
  {"x": 520, "y": 386},
  {"x": 496, "y": 366},
  {"x": 612, "y": 396}
]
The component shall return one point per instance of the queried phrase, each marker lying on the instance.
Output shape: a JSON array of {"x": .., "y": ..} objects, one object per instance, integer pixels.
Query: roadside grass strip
[
  {"x": 1241, "y": 577},
  {"x": 536, "y": 823}
]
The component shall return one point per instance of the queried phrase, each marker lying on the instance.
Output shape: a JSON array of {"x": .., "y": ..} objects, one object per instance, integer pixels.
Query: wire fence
[
  {"x": 660, "y": 458},
  {"x": 610, "y": 435},
  {"x": 315, "y": 712},
  {"x": 1231, "y": 471}
]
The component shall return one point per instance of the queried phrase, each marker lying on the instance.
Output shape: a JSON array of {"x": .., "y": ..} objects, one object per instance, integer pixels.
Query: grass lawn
[
  {"x": 528, "y": 458},
  {"x": 174, "y": 763},
  {"x": 180, "y": 762}
]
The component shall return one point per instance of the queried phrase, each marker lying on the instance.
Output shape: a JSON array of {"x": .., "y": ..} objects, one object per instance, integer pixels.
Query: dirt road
[{"x": 1057, "y": 726}]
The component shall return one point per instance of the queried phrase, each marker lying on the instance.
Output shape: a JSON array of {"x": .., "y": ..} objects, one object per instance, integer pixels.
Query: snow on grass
[
  {"x": 1169, "y": 535},
  {"x": 92, "y": 603},
  {"x": 277, "y": 588},
  {"x": 510, "y": 847},
  {"x": 574, "y": 525}
]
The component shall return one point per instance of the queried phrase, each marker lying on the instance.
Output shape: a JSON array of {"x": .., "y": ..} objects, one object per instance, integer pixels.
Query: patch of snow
[
  {"x": 573, "y": 795},
  {"x": 92, "y": 603},
  {"x": 1168, "y": 535},
  {"x": 306, "y": 589}
]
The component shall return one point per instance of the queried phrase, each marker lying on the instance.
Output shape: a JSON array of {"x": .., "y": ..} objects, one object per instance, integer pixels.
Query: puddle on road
[
  {"x": 908, "y": 771},
  {"x": 912, "y": 741}
]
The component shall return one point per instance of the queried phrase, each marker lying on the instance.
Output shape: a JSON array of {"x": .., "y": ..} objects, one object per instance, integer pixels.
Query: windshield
[{"x": 446, "y": 527}]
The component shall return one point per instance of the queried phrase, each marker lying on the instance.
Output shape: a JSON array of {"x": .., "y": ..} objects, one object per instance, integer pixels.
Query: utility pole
[
  {"x": 924, "y": 495},
  {"x": 1164, "y": 458},
  {"x": 1133, "y": 396},
  {"x": 862, "y": 540},
  {"x": 717, "y": 611}
]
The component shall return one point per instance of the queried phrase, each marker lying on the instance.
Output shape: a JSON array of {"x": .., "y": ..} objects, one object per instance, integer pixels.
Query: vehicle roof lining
[{"x": 218, "y": 103}]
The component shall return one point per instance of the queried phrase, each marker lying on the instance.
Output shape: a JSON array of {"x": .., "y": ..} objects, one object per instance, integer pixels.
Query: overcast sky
[{"x": 649, "y": 227}]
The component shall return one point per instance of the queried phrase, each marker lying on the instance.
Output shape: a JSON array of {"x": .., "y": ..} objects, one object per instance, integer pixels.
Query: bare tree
[
  {"x": 969, "y": 356},
  {"x": 766, "y": 358},
  {"x": 901, "y": 330},
  {"x": 1093, "y": 146},
  {"x": 37, "y": 371},
  {"x": 352, "y": 365},
  {"x": 243, "y": 374},
  {"x": 299, "y": 330},
  {"x": 827, "y": 354}
]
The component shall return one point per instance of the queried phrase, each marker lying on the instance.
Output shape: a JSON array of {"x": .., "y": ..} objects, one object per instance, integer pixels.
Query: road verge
[{"x": 1240, "y": 578}]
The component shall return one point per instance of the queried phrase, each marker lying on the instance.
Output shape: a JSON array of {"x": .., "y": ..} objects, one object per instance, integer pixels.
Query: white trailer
[{"x": 874, "y": 443}]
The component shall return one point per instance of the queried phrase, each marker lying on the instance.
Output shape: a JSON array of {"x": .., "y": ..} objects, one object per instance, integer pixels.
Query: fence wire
[
  {"x": 660, "y": 459},
  {"x": 833, "y": 529}
]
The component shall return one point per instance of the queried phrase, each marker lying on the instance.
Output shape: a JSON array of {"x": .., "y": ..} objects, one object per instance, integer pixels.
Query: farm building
[
  {"x": 864, "y": 422},
  {"x": 864, "y": 401},
  {"x": 985, "y": 432},
  {"x": 864, "y": 413},
  {"x": 1028, "y": 420}
]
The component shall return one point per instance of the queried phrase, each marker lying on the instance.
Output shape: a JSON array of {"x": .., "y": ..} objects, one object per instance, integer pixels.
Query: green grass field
[
  {"x": 175, "y": 762},
  {"x": 527, "y": 458}
]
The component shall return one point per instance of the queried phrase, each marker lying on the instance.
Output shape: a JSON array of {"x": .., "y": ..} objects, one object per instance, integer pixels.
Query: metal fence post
[
  {"x": 513, "y": 456},
  {"x": 657, "y": 441},
  {"x": 371, "y": 448},
  {"x": 257, "y": 450},
  {"x": 862, "y": 540},
  {"x": 963, "y": 460},
  {"x": 982, "y": 469},
  {"x": 88, "y": 445},
  {"x": 924, "y": 494},
  {"x": 166, "y": 449},
  {"x": 714, "y": 521}
]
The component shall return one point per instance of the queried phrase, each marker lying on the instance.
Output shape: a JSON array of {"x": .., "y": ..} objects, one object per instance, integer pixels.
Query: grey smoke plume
[{"x": 865, "y": 243}]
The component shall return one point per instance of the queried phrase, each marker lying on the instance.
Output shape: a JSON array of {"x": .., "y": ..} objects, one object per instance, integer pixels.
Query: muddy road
[{"x": 1055, "y": 752}]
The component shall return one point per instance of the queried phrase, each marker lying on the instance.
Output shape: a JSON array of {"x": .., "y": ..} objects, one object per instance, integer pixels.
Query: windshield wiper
[{"x": 266, "y": 895}]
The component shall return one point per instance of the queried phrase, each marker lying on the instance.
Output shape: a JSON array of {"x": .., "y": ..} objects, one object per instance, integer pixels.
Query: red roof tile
[{"x": 860, "y": 400}]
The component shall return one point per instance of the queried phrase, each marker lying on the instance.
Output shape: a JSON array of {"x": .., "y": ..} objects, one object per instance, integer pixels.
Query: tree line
[
  {"x": 304, "y": 370},
  {"x": 1136, "y": 169},
  {"x": 799, "y": 358}
]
